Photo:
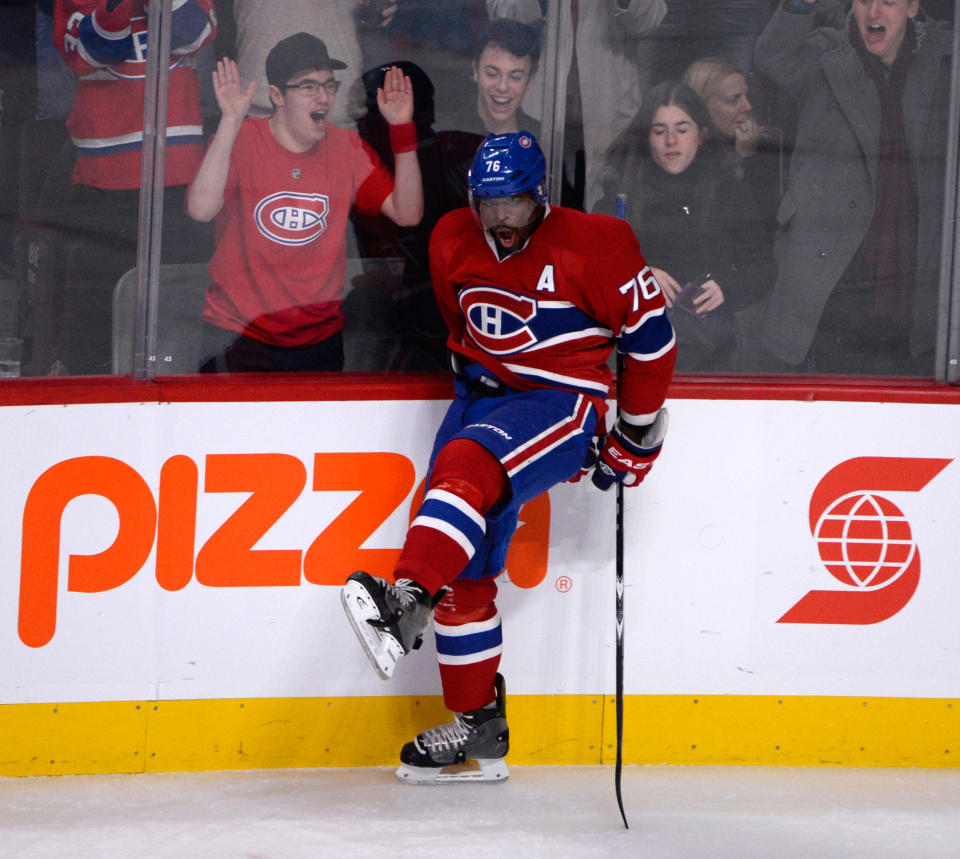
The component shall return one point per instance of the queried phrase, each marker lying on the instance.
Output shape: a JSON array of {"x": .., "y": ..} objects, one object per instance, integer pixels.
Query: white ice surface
[{"x": 540, "y": 811}]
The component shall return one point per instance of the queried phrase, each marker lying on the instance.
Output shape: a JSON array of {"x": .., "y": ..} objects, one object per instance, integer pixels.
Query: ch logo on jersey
[
  {"x": 498, "y": 320},
  {"x": 289, "y": 218}
]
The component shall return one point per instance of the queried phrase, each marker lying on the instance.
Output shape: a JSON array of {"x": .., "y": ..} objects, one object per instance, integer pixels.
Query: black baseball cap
[{"x": 296, "y": 53}]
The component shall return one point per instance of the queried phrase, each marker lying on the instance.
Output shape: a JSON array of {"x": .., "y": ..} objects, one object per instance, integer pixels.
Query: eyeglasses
[{"x": 312, "y": 88}]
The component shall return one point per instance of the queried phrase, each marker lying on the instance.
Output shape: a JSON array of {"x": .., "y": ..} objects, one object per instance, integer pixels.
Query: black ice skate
[
  {"x": 389, "y": 619},
  {"x": 440, "y": 754}
]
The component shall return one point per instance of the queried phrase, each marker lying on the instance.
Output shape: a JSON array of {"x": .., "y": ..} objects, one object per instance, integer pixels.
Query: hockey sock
[
  {"x": 469, "y": 644},
  {"x": 466, "y": 481}
]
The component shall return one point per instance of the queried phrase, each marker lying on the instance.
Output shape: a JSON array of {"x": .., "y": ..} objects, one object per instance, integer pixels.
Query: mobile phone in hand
[{"x": 690, "y": 292}]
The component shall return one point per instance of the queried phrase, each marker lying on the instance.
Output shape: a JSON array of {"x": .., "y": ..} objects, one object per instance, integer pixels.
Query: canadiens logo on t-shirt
[{"x": 289, "y": 218}]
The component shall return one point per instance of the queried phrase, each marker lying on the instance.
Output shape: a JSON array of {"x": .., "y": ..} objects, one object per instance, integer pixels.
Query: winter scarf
[{"x": 888, "y": 254}]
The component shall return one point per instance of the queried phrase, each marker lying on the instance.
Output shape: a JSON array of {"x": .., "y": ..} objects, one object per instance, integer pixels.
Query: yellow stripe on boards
[
  {"x": 787, "y": 730},
  {"x": 264, "y": 733}
]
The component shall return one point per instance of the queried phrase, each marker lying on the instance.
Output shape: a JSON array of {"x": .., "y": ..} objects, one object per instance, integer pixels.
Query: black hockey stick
[{"x": 618, "y": 771}]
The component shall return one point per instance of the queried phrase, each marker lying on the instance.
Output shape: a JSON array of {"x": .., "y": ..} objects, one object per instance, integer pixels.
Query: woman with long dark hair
[{"x": 695, "y": 222}]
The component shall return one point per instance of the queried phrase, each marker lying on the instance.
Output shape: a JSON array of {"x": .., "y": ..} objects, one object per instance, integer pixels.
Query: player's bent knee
[{"x": 471, "y": 472}]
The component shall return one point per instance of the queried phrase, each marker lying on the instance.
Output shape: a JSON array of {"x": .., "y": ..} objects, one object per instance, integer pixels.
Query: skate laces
[
  {"x": 402, "y": 598},
  {"x": 451, "y": 735},
  {"x": 405, "y": 591}
]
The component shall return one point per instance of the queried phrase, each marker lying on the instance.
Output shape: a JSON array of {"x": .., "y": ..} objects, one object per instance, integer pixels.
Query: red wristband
[{"x": 403, "y": 138}]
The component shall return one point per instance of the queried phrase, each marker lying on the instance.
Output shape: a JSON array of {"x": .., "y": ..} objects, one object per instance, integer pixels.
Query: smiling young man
[
  {"x": 508, "y": 56},
  {"x": 861, "y": 221},
  {"x": 281, "y": 189}
]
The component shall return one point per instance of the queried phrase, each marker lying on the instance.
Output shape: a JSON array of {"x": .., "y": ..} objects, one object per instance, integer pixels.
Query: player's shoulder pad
[
  {"x": 599, "y": 235},
  {"x": 454, "y": 225}
]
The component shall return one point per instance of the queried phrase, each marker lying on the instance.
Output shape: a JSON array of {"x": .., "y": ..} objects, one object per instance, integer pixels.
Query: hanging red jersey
[{"x": 108, "y": 52}]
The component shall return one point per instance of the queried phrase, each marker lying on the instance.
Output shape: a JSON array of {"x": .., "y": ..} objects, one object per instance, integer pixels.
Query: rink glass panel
[{"x": 73, "y": 303}]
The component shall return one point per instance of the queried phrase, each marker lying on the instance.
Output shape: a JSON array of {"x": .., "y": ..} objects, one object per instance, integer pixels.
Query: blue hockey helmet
[{"x": 508, "y": 164}]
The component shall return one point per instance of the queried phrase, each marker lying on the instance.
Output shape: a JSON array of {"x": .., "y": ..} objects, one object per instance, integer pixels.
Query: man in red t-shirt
[{"x": 281, "y": 189}]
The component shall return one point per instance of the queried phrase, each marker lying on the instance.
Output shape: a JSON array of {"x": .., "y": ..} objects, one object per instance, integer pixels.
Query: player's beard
[{"x": 509, "y": 239}]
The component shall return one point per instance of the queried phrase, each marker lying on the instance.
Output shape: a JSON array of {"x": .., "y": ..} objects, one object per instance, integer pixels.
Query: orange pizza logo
[{"x": 378, "y": 481}]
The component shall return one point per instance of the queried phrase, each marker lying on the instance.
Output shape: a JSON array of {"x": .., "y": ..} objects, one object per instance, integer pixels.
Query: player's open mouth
[
  {"x": 318, "y": 115},
  {"x": 507, "y": 236}
]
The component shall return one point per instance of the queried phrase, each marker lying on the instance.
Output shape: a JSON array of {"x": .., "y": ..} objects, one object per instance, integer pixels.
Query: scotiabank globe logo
[{"x": 864, "y": 540}]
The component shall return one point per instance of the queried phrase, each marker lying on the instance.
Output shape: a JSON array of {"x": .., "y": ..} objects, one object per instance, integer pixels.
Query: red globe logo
[{"x": 864, "y": 540}]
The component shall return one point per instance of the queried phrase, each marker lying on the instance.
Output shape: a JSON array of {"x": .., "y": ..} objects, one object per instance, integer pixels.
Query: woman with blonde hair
[
  {"x": 756, "y": 152},
  {"x": 723, "y": 88}
]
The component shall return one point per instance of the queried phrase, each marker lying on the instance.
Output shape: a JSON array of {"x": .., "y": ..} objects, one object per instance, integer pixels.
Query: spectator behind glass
[
  {"x": 104, "y": 43},
  {"x": 756, "y": 152},
  {"x": 603, "y": 82},
  {"x": 436, "y": 35},
  {"x": 281, "y": 189},
  {"x": 444, "y": 158},
  {"x": 694, "y": 220},
  {"x": 861, "y": 222},
  {"x": 698, "y": 28},
  {"x": 505, "y": 59},
  {"x": 260, "y": 25},
  {"x": 506, "y": 56}
]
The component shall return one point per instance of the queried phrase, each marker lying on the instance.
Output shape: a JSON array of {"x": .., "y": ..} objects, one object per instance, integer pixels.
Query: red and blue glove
[{"x": 625, "y": 461}]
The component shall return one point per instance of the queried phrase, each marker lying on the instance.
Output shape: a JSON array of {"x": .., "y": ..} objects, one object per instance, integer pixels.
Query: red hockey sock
[{"x": 469, "y": 643}]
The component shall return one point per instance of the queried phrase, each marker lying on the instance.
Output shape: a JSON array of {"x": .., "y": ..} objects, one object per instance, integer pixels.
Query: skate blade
[
  {"x": 479, "y": 770},
  {"x": 382, "y": 649}
]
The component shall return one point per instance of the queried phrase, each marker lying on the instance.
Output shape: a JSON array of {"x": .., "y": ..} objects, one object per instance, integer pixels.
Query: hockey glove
[{"x": 625, "y": 461}]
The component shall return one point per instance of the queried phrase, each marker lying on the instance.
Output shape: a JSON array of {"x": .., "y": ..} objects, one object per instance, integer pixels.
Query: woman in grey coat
[{"x": 859, "y": 228}]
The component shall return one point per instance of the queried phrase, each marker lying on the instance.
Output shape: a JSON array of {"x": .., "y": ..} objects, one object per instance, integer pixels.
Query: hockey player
[{"x": 535, "y": 298}]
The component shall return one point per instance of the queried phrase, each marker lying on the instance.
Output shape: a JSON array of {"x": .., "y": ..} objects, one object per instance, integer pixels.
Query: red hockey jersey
[
  {"x": 551, "y": 314},
  {"x": 108, "y": 52}
]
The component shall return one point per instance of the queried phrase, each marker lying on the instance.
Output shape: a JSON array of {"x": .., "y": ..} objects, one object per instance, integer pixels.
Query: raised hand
[
  {"x": 233, "y": 99},
  {"x": 388, "y": 13},
  {"x": 395, "y": 97},
  {"x": 375, "y": 14}
]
